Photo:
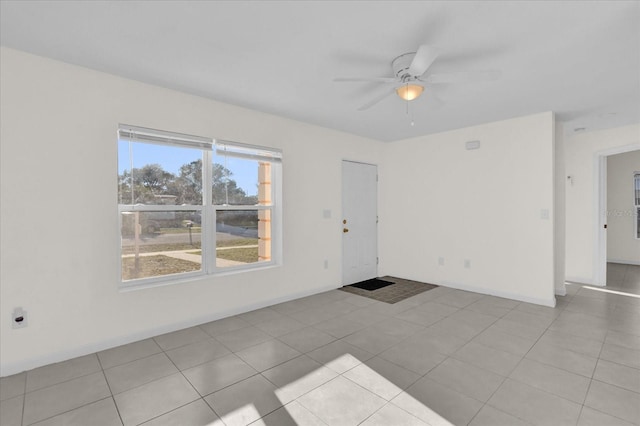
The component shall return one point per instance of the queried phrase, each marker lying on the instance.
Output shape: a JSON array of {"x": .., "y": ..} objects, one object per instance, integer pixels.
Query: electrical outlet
[
  {"x": 467, "y": 263},
  {"x": 441, "y": 261},
  {"x": 326, "y": 264},
  {"x": 19, "y": 318}
]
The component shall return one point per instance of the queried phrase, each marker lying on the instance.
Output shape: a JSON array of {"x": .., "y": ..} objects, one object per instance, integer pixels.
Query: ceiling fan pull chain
[{"x": 407, "y": 98}]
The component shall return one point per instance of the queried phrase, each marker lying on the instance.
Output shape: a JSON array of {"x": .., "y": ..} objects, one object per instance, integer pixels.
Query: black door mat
[
  {"x": 399, "y": 290},
  {"x": 372, "y": 284}
]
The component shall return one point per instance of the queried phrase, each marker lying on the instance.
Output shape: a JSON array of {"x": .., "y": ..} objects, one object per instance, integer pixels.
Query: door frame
[
  {"x": 343, "y": 214},
  {"x": 600, "y": 211}
]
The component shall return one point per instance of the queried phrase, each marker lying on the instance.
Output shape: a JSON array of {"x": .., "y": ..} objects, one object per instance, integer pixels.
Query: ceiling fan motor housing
[{"x": 401, "y": 66}]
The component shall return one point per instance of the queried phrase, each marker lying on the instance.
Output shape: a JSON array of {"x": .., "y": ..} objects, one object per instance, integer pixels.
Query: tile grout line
[
  {"x": 24, "y": 398},
  {"x": 162, "y": 351},
  {"x": 110, "y": 391},
  {"x": 188, "y": 381},
  {"x": 511, "y": 372},
  {"x": 484, "y": 403},
  {"x": 70, "y": 410},
  {"x": 212, "y": 409},
  {"x": 591, "y": 381},
  {"x": 590, "y": 378},
  {"x": 66, "y": 380},
  {"x": 59, "y": 383}
]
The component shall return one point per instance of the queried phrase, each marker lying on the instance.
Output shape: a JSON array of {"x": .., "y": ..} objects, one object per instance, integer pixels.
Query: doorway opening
[{"x": 617, "y": 250}]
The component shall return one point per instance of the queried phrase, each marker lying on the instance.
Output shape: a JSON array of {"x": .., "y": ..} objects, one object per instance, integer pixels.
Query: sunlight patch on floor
[{"x": 605, "y": 290}]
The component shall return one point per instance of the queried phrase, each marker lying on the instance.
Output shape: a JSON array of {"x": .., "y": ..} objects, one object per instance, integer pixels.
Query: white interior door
[{"x": 359, "y": 222}]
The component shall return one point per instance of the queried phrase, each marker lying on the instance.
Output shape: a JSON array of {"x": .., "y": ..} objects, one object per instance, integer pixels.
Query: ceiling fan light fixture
[{"x": 409, "y": 92}]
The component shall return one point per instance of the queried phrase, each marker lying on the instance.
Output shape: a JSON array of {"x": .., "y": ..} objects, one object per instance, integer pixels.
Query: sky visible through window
[{"x": 245, "y": 173}]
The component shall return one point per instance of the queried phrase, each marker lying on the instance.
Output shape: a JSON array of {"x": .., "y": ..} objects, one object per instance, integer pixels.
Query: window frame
[
  {"x": 208, "y": 147},
  {"x": 636, "y": 203},
  {"x": 275, "y": 207}
]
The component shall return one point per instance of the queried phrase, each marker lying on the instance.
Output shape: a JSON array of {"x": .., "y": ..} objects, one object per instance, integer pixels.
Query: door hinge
[
  {"x": 377, "y": 219},
  {"x": 377, "y": 260},
  {"x": 376, "y": 178}
]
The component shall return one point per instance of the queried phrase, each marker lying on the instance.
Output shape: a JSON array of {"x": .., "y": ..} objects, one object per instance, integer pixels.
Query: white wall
[
  {"x": 581, "y": 151},
  {"x": 440, "y": 200},
  {"x": 622, "y": 244},
  {"x": 559, "y": 228},
  {"x": 59, "y": 222}
]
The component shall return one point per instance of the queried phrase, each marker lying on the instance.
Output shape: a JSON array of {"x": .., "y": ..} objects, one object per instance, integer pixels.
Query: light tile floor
[
  {"x": 441, "y": 357},
  {"x": 623, "y": 277}
]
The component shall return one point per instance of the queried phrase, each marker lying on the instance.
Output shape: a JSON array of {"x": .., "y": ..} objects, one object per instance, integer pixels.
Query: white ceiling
[{"x": 580, "y": 59}]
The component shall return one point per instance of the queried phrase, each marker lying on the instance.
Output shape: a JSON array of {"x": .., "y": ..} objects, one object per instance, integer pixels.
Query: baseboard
[
  {"x": 580, "y": 280},
  {"x": 624, "y": 262},
  {"x": 28, "y": 364},
  {"x": 561, "y": 291},
  {"x": 551, "y": 302}
]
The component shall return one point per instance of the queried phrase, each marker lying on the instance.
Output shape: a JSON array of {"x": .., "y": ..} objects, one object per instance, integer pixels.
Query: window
[
  {"x": 192, "y": 206},
  {"x": 243, "y": 197},
  {"x": 636, "y": 182}
]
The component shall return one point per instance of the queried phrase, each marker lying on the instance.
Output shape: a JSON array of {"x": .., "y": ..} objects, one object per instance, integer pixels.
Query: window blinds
[
  {"x": 248, "y": 152},
  {"x": 222, "y": 148},
  {"x": 144, "y": 135}
]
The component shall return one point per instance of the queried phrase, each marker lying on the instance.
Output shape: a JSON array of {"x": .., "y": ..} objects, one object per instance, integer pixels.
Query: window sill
[
  {"x": 124, "y": 288},
  {"x": 240, "y": 270}
]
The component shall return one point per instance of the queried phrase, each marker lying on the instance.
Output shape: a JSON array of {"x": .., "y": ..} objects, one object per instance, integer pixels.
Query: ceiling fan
[{"x": 411, "y": 76}]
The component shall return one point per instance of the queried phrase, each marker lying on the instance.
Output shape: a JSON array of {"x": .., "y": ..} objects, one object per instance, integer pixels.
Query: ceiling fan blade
[
  {"x": 422, "y": 61},
  {"x": 377, "y": 99},
  {"x": 372, "y": 79},
  {"x": 462, "y": 77},
  {"x": 435, "y": 100}
]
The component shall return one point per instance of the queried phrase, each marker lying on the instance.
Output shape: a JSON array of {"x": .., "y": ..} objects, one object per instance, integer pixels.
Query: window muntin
[{"x": 182, "y": 199}]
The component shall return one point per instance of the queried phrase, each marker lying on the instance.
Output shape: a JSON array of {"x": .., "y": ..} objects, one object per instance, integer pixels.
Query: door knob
[{"x": 345, "y": 230}]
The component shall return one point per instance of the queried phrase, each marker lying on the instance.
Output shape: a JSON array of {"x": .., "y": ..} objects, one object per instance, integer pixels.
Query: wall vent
[{"x": 472, "y": 145}]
